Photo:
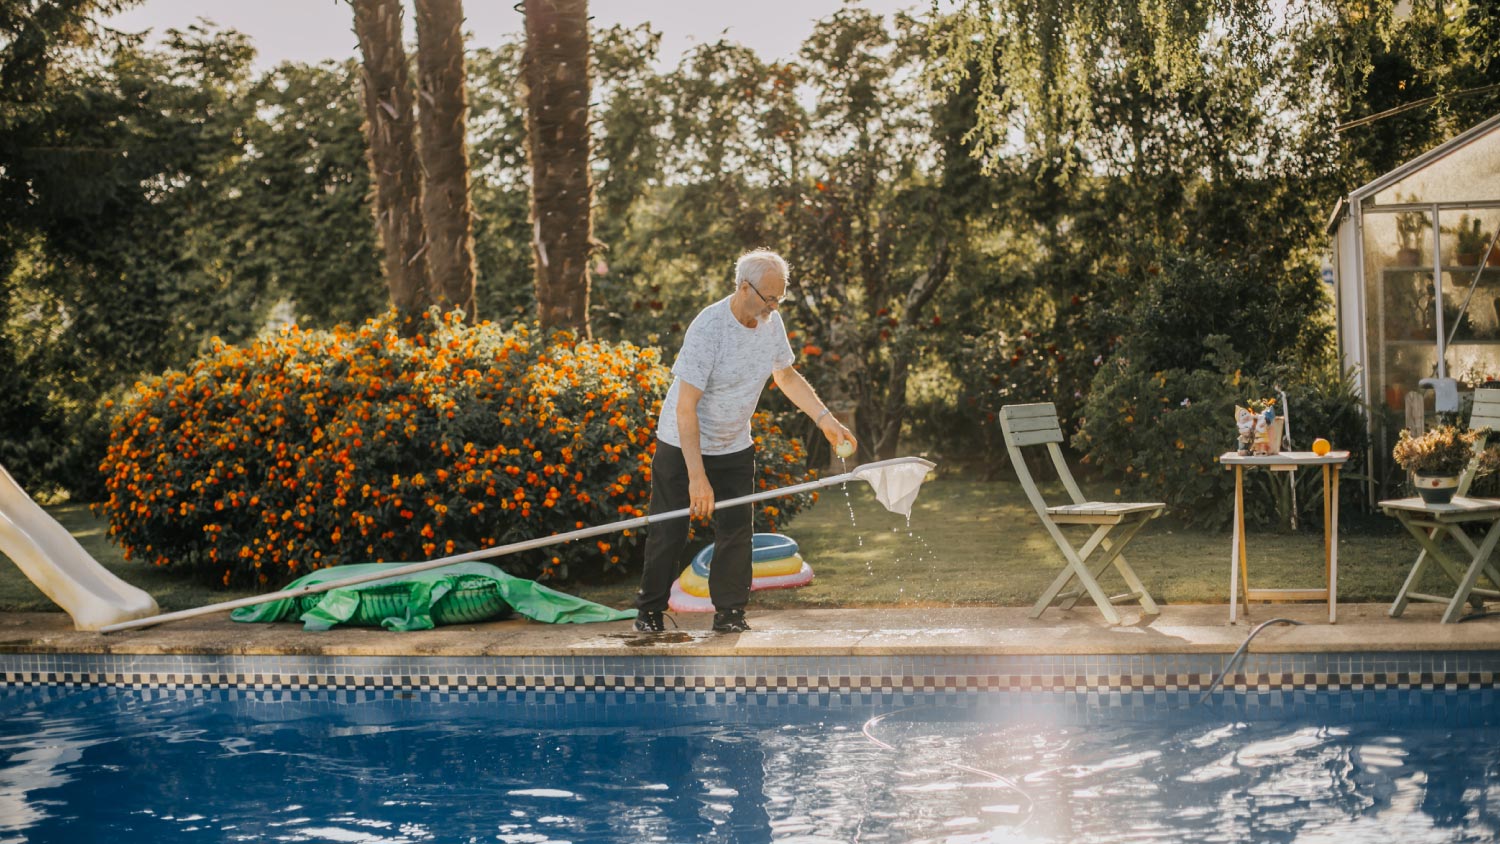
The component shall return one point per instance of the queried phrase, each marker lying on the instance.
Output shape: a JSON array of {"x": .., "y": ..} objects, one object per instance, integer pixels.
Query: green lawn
[
  {"x": 968, "y": 542},
  {"x": 980, "y": 543}
]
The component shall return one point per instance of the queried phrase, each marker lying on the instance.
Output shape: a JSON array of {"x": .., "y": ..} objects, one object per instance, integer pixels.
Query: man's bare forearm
[
  {"x": 692, "y": 444},
  {"x": 799, "y": 392}
]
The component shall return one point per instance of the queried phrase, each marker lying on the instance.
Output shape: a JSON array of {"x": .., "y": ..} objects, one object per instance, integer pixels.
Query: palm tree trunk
[
  {"x": 389, "y": 129},
  {"x": 555, "y": 70},
  {"x": 443, "y": 117}
]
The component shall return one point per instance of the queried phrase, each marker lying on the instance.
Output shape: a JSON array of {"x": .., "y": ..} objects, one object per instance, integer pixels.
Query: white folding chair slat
[
  {"x": 1486, "y": 409},
  {"x": 1033, "y": 423},
  {"x": 1024, "y": 438},
  {"x": 1102, "y": 508},
  {"x": 1040, "y": 410}
]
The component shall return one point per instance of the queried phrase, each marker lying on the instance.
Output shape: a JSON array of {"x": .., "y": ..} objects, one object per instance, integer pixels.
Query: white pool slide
[{"x": 52, "y": 559}]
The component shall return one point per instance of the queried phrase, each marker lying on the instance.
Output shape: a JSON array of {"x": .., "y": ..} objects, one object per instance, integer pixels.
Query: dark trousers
[{"x": 731, "y": 476}]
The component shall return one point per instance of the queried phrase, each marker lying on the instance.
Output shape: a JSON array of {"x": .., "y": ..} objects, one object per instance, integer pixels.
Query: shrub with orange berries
[{"x": 310, "y": 449}]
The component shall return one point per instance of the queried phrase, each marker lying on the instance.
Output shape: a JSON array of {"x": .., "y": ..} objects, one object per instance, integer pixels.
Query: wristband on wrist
[{"x": 819, "y": 419}]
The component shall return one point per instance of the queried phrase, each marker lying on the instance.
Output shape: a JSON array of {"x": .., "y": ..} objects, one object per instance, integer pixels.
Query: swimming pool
[{"x": 168, "y": 764}]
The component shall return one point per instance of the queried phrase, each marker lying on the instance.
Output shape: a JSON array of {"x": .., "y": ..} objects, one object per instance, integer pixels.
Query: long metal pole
[
  {"x": 1437, "y": 293},
  {"x": 484, "y": 553}
]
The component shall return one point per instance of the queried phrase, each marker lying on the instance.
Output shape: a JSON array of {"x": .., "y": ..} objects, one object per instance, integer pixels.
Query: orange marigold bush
[{"x": 316, "y": 448}]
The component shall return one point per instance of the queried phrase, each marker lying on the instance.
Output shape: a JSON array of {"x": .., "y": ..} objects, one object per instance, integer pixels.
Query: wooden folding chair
[
  {"x": 1026, "y": 425},
  {"x": 1429, "y": 524}
]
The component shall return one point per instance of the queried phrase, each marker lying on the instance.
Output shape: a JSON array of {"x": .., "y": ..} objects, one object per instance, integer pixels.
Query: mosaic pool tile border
[
  {"x": 315, "y": 709},
  {"x": 765, "y": 674}
]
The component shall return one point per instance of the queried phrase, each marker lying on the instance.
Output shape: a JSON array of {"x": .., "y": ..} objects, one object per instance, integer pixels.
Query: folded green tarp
[{"x": 458, "y": 594}]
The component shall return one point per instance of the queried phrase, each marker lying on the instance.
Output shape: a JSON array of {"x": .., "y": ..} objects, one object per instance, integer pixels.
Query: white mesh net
[{"x": 896, "y": 482}]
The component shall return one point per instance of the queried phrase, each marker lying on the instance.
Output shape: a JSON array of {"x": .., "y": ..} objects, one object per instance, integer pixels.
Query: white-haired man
[{"x": 703, "y": 445}]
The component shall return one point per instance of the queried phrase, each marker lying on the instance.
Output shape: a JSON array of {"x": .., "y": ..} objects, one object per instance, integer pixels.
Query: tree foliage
[
  {"x": 302, "y": 222},
  {"x": 124, "y": 168},
  {"x": 828, "y": 159},
  {"x": 977, "y": 206},
  {"x": 156, "y": 198}
]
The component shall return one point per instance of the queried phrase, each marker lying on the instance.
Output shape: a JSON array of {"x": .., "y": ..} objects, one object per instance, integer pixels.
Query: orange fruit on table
[{"x": 1321, "y": 446}]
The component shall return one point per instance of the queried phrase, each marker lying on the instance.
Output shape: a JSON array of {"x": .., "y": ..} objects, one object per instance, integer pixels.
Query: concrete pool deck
[{"x": 1187, "y": 629}]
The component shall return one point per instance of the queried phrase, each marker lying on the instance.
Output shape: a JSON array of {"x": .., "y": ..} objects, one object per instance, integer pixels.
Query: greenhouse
[{"x": 1417, "y": 281}]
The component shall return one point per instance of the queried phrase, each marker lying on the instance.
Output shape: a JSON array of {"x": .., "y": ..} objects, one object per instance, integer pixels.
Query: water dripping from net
[
  {"x": 849, "y": 502},
  {"x": 917, "y": 560}
]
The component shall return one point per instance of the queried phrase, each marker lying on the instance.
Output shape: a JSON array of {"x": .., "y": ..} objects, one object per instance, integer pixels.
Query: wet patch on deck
[{"x": 654, "y": 640}]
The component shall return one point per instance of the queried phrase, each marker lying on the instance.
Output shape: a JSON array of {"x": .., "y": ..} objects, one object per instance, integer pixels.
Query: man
[{"x": 703, "y": 446}]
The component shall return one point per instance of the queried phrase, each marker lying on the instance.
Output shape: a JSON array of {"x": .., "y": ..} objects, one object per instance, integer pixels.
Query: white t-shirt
[{"x": 730, "y": 364}]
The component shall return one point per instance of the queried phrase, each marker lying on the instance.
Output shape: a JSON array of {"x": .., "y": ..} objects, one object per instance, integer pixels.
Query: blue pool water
[{"x": 169, "y": 765}]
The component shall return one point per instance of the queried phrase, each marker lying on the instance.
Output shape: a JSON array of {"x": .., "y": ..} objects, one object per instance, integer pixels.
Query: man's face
[{"x": 765, "y": 295}]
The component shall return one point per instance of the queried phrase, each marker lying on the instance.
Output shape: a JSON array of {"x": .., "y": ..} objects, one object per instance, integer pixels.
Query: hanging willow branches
[{"x": 1044, "y": 69}]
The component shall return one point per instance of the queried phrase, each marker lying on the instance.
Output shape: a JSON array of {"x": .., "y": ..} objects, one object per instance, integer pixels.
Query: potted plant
[
  {"x": 1409, "y": 226},
  {"x": 1472, "y": 242},
  {"x": 1438, "y": 457}
]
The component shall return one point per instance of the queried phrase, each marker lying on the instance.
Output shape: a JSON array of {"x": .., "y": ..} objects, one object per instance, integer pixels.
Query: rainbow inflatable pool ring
[{"x": 775, "y": 560}]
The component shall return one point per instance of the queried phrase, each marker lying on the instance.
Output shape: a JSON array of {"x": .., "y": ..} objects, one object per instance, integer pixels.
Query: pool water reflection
[{"x": 84, "y": 764}]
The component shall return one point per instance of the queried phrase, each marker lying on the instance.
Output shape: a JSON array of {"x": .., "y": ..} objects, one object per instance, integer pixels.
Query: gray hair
[{"x": 752, "y": 266}]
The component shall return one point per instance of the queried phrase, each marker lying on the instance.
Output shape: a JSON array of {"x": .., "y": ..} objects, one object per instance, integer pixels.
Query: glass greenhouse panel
[{"x": 1470, "y": 173}]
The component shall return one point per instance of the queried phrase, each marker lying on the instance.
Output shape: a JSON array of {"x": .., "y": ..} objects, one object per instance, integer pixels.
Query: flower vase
[
  {"x": 1435, "y": 489},
  {"x": 1268, "y": 437}
]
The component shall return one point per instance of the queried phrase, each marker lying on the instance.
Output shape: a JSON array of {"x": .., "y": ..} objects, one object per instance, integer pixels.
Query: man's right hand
[{"x": 700, "y": 496}]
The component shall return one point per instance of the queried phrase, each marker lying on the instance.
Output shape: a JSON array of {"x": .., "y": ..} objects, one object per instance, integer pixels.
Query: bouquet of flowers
[
  {"x": 1437, "y": 458},
  {"x": 1259, "y": 432},
  {"x": 1444, "y": 450}
]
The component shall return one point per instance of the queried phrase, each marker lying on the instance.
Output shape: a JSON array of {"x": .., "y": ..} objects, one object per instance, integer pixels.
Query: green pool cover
[{"x": 458, "y": 594}]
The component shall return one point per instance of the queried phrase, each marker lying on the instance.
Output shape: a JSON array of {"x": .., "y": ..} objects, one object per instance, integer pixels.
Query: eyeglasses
[{"x": 774, "y": 303}]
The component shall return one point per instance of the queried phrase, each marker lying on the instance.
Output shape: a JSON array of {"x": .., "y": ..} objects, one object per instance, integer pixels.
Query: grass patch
[
  {"x": 979, "y": 543},
  {"x": 968, "y": 543}
]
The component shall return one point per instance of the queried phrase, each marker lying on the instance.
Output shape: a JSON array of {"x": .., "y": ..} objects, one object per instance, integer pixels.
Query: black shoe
[
  {"x": 730, "y": 621},
  {"x": 649, "y": 621}
]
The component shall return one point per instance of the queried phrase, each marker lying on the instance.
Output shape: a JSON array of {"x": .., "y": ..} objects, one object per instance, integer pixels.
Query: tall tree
[
  {"x": 555, "y": 72},
  {"x": 884, "y": 210},
  {"x": 390, "y": 127},
  {"x": 443, "y": 117}
]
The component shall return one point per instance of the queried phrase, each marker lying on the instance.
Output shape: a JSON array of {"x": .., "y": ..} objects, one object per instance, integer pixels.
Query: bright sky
[{"x": 312, "y": 30}]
